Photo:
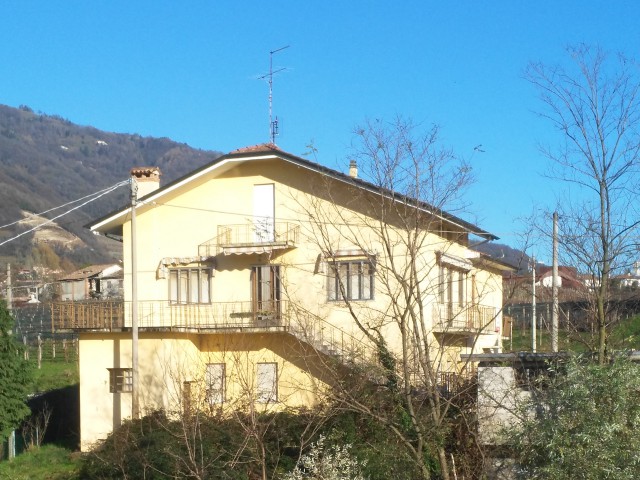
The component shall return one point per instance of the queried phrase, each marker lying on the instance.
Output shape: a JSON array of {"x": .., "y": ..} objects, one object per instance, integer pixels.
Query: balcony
[
  {"x": 250, "y": 238},
  {"x": 462, "y": 319},
  {"x": 161, "y": 315}
]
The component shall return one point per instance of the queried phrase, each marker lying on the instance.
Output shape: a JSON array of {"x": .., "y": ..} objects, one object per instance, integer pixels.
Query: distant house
[
  {"x": 95, "y": 281},
  {"x": 567, "y": 277},
  {"x": 630, "y": 279},
  {"x": 571, "y": 285}
]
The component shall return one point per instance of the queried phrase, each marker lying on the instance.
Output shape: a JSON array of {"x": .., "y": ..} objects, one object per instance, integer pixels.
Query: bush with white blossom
[{"x": 327, "y": 463}]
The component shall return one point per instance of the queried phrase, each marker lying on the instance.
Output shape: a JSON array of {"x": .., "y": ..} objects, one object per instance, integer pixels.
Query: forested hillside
[{"x": 47, "y": 161}]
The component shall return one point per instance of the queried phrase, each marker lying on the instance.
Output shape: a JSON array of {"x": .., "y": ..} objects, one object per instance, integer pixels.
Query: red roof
[{"x": 262, "y": 147}]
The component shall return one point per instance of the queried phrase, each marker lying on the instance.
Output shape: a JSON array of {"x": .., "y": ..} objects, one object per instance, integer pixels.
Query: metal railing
[
  {"x": 115, "y": 315},
  {"x": 330, "y": 339},
  {"x": 265, "y": 233},
  {"x": 455, "y": 317}
]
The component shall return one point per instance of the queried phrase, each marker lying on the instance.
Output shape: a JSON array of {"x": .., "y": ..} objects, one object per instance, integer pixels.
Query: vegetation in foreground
[
  {"x": 585, "y": 425},
  {"x": 48, "y": 462},
  {"x": 232, "y": 448}
]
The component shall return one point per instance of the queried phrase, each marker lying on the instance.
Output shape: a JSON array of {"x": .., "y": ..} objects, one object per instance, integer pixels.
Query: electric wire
[
  {"x": 94, "y": 197},
  {"x": 106, "y": 190}
]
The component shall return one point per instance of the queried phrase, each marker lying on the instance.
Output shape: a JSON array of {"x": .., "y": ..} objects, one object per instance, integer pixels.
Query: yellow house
[{"x": 245, "y": 279}]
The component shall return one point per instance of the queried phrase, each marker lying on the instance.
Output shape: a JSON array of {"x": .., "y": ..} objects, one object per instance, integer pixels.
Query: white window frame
[
  {"x": 267, "y": 382},
  {"x": 190, "y": 285}
]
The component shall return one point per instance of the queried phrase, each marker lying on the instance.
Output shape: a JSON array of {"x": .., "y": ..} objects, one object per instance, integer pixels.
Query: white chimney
[
  {"x": 147, "y": 178},
  {"x": 353, "y": 169}
]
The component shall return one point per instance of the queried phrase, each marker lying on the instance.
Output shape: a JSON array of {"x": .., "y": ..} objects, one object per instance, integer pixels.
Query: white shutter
[{"x": 264, "y": 212}]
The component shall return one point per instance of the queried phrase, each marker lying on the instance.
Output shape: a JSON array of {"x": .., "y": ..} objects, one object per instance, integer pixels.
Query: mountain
[
  {"x": 47, "y": 161},
  {"x": 506, "y": 254}
]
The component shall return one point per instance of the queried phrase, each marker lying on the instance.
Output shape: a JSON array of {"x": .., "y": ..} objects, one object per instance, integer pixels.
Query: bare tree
[
  {"x": 394, "y": 231},
  {"x": 594, "y": 105}
]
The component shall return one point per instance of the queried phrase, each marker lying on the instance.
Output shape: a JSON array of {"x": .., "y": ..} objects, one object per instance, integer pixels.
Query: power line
[
  {"x": 101, "y": 193},
  {"x": 106, "y": 190},
  {"x": 249, "y": 216}
]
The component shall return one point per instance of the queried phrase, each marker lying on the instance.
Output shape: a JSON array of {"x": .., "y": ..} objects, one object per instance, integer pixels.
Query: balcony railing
[
  {"x": 456, "y": 318},
  {"x": 251, "y": 238},
  {"x": 116, "y": 315}
]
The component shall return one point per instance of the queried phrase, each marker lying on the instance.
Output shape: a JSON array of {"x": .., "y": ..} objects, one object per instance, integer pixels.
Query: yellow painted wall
[
  {"x": 166, "y": 360},
  {"x": 329, "y": 215}
]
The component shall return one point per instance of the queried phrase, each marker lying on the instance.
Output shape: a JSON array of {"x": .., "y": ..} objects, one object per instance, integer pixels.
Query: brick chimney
[{"x": 147, "y": 178}]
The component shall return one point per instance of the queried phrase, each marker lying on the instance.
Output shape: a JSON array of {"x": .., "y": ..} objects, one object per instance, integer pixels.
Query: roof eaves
[{"x": 264, "y": 151}]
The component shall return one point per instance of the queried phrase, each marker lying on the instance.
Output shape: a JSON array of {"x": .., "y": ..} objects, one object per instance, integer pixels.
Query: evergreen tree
[{"x": 15, "y": 377}]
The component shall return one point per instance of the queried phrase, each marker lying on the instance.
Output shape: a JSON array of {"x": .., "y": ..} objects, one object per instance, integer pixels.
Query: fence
[
  {"x": 50, "y": 349},
  {"x": 32, "y": 328}
]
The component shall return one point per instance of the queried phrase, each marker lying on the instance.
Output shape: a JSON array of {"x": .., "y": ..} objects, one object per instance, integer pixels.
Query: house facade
[{"x": 251, "y": 275}]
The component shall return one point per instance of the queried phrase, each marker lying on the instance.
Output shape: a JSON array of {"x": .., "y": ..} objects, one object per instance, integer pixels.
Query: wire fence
[
  {"x": 50, "y": 349},
  {"x": 32, "y": 328}
]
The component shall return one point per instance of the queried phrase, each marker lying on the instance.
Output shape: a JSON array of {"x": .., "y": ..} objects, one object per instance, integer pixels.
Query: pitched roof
[
  {"x": 86, "y": 272},
  {"x": 261, "y": 147},
  {"x": 270, "y": 151}
]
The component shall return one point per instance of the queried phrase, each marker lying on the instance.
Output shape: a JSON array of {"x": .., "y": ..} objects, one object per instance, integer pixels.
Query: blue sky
[{"x": 190, "y": 71}]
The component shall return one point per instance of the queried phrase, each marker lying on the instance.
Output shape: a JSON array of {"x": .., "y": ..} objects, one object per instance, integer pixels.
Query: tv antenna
[{"x": 273, "y": 124}]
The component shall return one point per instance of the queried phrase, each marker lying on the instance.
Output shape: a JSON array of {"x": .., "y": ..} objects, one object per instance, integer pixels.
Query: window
[
  {"x": 267, "y": 383},
  {"x": 265, "y": 284},
  {"x": 351, "y": 280},
  {"x": 453, "y": 279},
  {"x": 189, "y": 285},
  {"x": 452, "y": 285},
  {"x": 215, "y": 381},
  {"x": 120, "y": 380}
]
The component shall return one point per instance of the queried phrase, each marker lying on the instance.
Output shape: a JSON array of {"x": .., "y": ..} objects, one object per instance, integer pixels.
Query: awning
[
  {"x": 168, "y": 262},
  {"x": 454, "y": 261}
]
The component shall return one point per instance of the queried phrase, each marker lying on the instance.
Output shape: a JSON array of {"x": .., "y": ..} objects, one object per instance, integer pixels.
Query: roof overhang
[{"x": 111, "y": 224}]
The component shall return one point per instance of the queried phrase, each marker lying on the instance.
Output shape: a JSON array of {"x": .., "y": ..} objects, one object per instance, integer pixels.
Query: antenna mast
[{"x": 273, "y": 124}]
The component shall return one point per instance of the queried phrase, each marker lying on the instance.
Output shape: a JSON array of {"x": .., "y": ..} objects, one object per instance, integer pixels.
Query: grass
[
  {"x": 54, "y": 374},
  {"x": 624, "y": 336},
  {"x": 49, "y": 462}
]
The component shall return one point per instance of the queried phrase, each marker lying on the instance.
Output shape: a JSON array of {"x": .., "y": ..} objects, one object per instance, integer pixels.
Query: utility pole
[
  {"x": 135, "y": 392},
  {"x": 12, "y": 436},
  {"x": 9, "y": 289},
  {"x": 554, "y": 287},
  {"x": 533, "y": 306}
]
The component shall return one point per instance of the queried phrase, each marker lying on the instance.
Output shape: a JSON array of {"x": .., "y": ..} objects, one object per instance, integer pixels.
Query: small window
[
  {"x": 120, "y": 380},
  {"x": 267, "y": 383},
  {"x": 351, "y": 280},
  {"x": 215, "y": 380},
  {"x": 189, "y": 285}
]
